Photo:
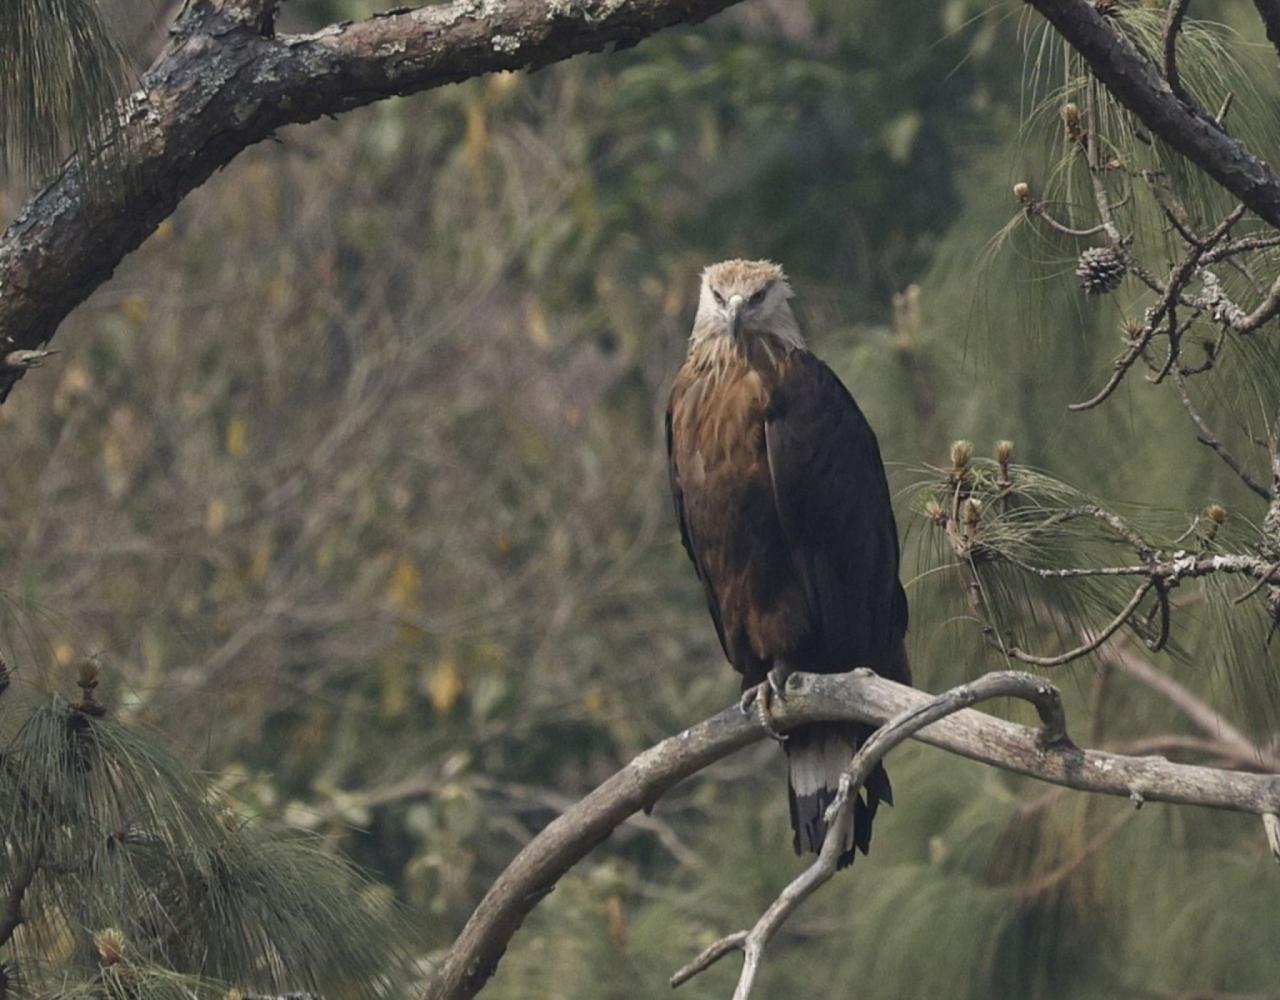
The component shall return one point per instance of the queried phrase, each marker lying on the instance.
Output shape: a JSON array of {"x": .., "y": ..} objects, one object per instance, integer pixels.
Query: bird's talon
[
  {"x": 766, "y": 720},
  {"x": 761, "y": 696}
]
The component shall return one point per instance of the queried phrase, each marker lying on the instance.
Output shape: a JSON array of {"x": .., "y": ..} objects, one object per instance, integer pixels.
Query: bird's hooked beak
[{"x": 733, "y": 314}]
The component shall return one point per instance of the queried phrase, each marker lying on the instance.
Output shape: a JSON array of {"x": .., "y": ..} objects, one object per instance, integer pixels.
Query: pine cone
[{"x": 1100, "y": 270}]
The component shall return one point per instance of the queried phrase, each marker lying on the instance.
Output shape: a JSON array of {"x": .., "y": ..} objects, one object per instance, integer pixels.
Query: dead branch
[
  {"x": 1003, "y": 684},
  {"x": 1091, "y": 644},
  {"x": 859, "y": 696},
  {"x": 225, "y": 82}
]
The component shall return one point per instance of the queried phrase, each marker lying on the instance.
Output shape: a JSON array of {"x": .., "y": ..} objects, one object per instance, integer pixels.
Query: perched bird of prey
[{"x": 784, "y": 509}]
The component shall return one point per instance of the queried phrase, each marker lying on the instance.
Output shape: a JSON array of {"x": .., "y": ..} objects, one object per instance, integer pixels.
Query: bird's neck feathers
[{"x": 761, "y": 342}]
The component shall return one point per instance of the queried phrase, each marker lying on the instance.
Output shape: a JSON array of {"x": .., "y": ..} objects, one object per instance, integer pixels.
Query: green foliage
[
  {"x": 132, "y": 880},
  {"x": 61, "y": 72}
]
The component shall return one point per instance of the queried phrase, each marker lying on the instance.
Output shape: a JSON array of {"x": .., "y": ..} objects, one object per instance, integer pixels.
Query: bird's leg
[{"x": 762, "y": 695}]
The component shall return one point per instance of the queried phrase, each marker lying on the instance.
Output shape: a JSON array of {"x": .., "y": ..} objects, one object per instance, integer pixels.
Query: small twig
[
  {"x": 709, "y": 957},
  {"x": 1035, "y": 209},
  {"x": 1221, "y": 116},
  {"x": 1198, "y": 712},
  {"x": 21, "y": 361},
  {"x": 1271, "y": 827},
  {"x": 1262, "y": 582},
  {"x": 1088, "y": 647},
  {"x": 1207, "y": 437},
  {"x": 1036, "y": 887},
  {"x": 1162, "y": 605},
  {"x": 1122, "y": 528},
  {"x": 1266, "y": 310},
  {"x": 1175, "y": 334},
  {"x": 1246, "y": 244},
  {"x": 1172, "y": 25}
]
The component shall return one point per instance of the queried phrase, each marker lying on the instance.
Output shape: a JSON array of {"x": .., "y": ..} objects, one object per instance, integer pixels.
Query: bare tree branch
[
  {"x": 224, "y": 83},
  {"x": 859, "y": 696},
  {"x": 1138, "y": 84}
]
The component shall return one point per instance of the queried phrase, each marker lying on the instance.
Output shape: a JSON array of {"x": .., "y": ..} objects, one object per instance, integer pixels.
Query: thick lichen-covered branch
[{"x": 226, "y": 81}]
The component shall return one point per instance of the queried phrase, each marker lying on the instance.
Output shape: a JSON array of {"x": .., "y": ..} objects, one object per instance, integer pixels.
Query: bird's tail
[{"x": 817, "y": 754}]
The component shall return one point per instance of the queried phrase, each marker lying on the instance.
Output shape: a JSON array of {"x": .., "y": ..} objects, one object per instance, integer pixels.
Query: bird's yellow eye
[
  {"x": 718, "y": 297},
  {"x": 756, "y": 299}
]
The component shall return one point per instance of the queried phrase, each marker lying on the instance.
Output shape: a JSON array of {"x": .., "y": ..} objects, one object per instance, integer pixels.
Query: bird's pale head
[{"x": 743, "y": 299}]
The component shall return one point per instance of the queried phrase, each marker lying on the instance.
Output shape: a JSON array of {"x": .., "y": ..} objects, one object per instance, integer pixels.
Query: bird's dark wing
[
  {"x": 677, "y": 495},
  {"x": 833, "y": 502}
]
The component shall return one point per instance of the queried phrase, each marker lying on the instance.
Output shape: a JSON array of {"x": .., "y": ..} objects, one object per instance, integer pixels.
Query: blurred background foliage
[{"x": 353, "y": 477}]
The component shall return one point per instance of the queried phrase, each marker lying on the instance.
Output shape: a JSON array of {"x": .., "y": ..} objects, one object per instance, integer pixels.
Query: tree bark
[
  {"x": 225, "y": 82},
  {"x": 860, "y": 696}
]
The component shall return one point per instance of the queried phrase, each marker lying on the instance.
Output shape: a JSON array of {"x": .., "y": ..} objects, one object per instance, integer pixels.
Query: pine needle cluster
[{"x": 121, "y": 876}]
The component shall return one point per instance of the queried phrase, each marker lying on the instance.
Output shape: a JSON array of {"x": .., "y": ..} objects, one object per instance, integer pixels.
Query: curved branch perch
[
  {"x": 904, "y": 725},
  {"x": 859, "y": 696}
]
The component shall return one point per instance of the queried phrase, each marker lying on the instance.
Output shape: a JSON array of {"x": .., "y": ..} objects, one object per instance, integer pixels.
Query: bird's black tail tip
[{"x": 818, "y": 755}]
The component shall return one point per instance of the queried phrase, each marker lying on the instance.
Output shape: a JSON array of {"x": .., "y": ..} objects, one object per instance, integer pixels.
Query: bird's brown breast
[{"x": 721, "y": 460}]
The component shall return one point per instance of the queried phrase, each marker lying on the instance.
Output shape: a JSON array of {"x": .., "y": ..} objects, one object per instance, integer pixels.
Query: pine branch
[
  {"x": 225, "y": 82},
  {"x": 859, "y": 696},
  {"x": 1139, "y": 85}
]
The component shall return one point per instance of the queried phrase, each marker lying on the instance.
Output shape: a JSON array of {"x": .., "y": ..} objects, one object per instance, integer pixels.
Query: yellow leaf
[
  {"x": 445, "y": 685},
  {"x": 395, "y": 693},
  {"x": 476, "y": 140},
  {"x": 215, "y": 516},
  {"x": 502, "y": 84},
  {"x": 593, "y": 701},
  {"x": 535, "y": 320},
  {"x": 237, "y": 436},
  {"x": 326, "y": 552},
  {"x": 617, "y": 918},
  {"x": 405, "y": 585},
  {"x": 135, "y": 310},
  {"x": 63, "y": 653},
  {"x": 260, "y": 561}
]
